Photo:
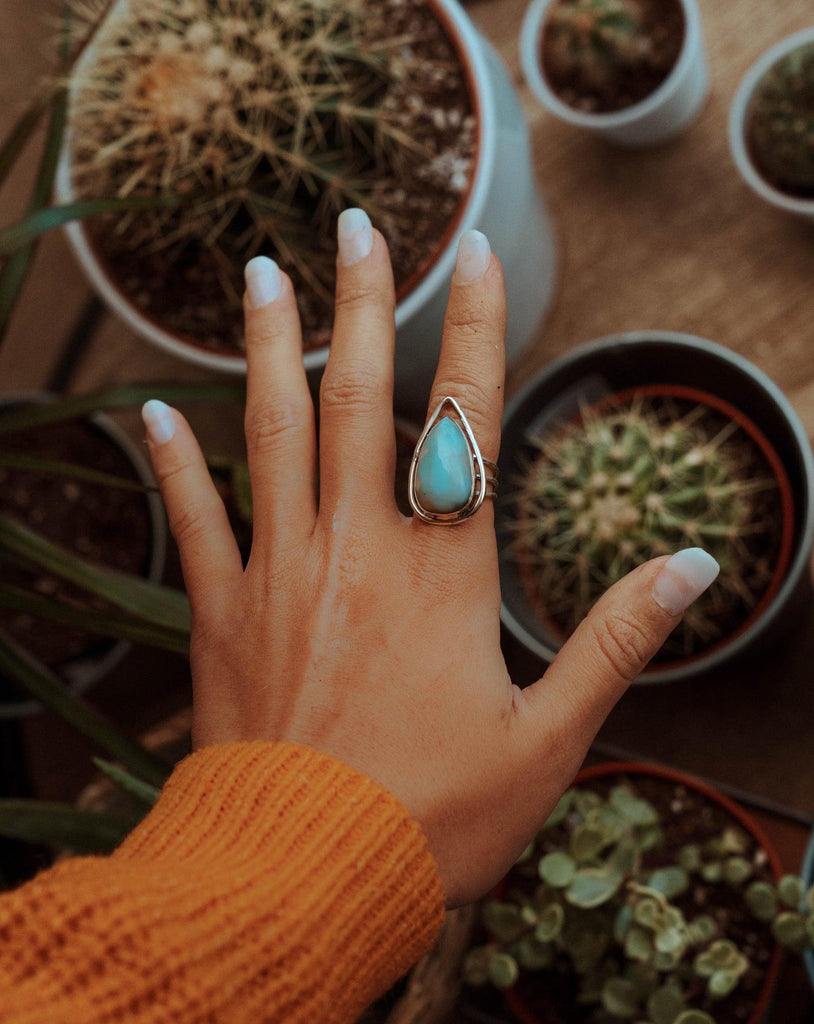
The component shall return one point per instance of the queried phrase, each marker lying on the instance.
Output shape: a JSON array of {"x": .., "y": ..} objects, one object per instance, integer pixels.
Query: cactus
[
  {"x": 633, "y": 479},
  {"x": 266, "y": 121},
  {"x": 608, "y": 54},
  {"x": 781, "y": 123},
  {"x": 585, "y": 898}
]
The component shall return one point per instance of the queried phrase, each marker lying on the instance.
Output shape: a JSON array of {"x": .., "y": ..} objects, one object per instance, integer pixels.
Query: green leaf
[
  {"x": 592, "y": 887},
  {"x": 137, "y": 788},
  {"x": 586, "y": 842},
  {"x": 789, "y": 928},
  {"x": 17, "y": 460},
  {"x": 39, "y": 682},
  {"x": 694, "y": 1017},
  {"x": 148, "y": 601},
  {"x": 124, "y": 396},
  {"x": 638, "y": 944},
  {"x": 93, "y": 621},
  {"x": 37, "y": 223},
  {"x": 550, "y": 924},
  {"x": 561, "y": 809},
  {"x": 23, "y": 129},
  {"x": 503, "y": 920},
  {"x": 62, "y": 825},
  {"x": 557, "y": 869},
  {"x": 619, "y": 998},
  {"x": 533, "y": 954},
  {"x": 761, "y": 900},
  {"x": 736, "y": 870},
  {"x": 665, "y": 1004},
  {"x": 791, "y": 890},
  {"x": 670, "y": 881},
  {"x": 722, "y": 984},
  {"x": 503, "y": 970}
]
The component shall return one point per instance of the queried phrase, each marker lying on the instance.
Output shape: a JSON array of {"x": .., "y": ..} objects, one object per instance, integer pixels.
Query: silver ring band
[{"x": 449, "y": 478}]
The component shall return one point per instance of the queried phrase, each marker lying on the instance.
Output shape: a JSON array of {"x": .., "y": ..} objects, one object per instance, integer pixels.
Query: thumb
[{"x": 613, "y": 645}]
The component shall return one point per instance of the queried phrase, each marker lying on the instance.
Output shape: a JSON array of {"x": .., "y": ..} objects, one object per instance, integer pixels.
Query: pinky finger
[{"x": 209, "y": 555}]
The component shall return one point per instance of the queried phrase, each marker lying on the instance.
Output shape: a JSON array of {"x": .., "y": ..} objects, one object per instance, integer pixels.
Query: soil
[
  {"x": 105, "y": 525},
  {"x": 194, "y": 291},
  {"x": 687, "y": 816},
  {"x": 727, "y": 608},
  {"x": 596, "y": 88}
]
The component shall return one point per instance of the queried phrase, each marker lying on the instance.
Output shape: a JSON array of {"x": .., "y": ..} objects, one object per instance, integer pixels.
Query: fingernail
[
  {"x": 684, "y": 578},
  {"x": 472, "y": 261},
  {"x": 159, "y": 421},
  {"x": 355, "y": 235},
  {"x": 262, "y": 281}
]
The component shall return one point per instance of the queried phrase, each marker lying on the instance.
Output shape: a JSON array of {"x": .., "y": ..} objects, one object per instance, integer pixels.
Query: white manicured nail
[
  {"x": 684, "y": 578},
  {"x": 159, "y": 421},
  {"x": 472, "y": 261},
  {"x": 355, "y": 236},
  {"x": 262, "y": 281}
]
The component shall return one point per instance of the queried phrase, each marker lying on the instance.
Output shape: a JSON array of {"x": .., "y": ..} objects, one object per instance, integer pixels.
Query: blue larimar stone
[{"x": 444, "y": 476}]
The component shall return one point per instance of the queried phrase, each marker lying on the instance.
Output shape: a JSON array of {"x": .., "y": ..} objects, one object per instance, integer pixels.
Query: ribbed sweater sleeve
[{"x": 270, "y": 883}]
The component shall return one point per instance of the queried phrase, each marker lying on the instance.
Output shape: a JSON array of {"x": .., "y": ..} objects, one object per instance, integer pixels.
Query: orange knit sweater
[{"x": 270, "y": 883}]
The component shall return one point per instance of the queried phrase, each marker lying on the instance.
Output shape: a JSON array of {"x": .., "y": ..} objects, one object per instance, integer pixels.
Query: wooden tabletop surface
[{"x": 669, "y": 238}]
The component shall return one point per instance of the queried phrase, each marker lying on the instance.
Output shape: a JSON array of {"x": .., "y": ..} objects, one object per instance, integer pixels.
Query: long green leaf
[
  {"x": 127, "y": 783},
  {"x": 35, "y": 224},
  {"x": 148, "y": 601},
  {"x": 61, "y": 825},
  {"x": 25, "y": 671},
  {"x": 51, "y": 467},
  {"x": 92, "y": 621},
  {"x": 122, "y": 397},
  {"x": 22, "y": 130}
]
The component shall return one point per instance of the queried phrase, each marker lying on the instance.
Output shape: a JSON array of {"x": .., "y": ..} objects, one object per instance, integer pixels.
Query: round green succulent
[
  {"x": 781, "y": 122},
  {"x": 638, "y": 477}
]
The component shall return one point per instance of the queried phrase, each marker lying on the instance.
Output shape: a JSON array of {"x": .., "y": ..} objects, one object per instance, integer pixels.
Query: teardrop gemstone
[{"x": 444, "y": 477}]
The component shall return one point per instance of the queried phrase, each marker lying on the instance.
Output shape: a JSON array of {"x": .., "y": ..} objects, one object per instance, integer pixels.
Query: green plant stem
[
  {"x": 23, "y": 129},
  {"x": 92, "y": 621},
  {"x": 56, "y": 824},
  {"x": 34, "y": 678},
  {"x": 50, "y": 467},
  {"x": 150, "y": 602},
  {"x": 122, "y": 397}
]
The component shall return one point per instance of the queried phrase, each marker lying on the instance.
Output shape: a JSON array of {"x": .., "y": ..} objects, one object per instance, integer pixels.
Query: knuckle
[
  {"x": 624, "y": 644},
  {"x": 271, "y": 424},
  {"x": 188, "y": 524},
  {"x": 356, "y": 387},
  {"x": 470, "y": 393},
  {"x": 361, "y": 295},
  {"x": 468, "y": 322}
]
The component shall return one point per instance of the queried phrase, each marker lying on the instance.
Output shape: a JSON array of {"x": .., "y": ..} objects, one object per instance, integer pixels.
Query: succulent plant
[
  {"x": 608, "y": 52},
  {"x": 265, "y": 121},
  {"x": 781, "y": 122},
  {"x": 583, "y": 900},
  {"x": 634, "y": 478}
]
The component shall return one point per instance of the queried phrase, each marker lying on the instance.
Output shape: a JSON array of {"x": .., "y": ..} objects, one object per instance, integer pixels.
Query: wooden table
[{"x": 670, "y": 238}]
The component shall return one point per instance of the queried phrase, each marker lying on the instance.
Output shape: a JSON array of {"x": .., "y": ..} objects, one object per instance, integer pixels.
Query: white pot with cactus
[
  {"x": 771, "y": 125},
  {"x": 260, "y": 124},
  {"x": 636, "y": 446},
  {"x": 633, "y": 71}
]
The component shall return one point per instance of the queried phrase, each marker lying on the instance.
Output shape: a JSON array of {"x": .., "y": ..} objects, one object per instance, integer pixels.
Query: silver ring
[{"x": 449, "y": 478}]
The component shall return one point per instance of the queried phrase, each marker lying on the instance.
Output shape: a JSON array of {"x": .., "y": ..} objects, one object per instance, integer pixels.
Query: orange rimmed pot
[
  {"x": 681, "y": 366},
  {"x": 514, "y": 997}
]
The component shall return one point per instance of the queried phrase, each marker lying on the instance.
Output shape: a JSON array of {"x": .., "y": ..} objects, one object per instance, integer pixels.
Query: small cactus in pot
[
  {"x": 645, "y": 897},
  {"x": 780, "y": 123},
  {"x": 604, "y": 55},
  {"x": 262, "y": 122},
  {"x": 647, "y": 473}
]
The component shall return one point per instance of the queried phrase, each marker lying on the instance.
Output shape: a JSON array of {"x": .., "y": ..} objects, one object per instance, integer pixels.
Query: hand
[{"x": 375, "y": 637}]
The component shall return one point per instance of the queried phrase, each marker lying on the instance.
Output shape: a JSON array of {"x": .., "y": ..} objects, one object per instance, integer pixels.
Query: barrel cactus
[
  {"x": 265, "y": 121},
  {"x": 636, "y": 477},
  {"x": 607, "y": 54},
  {"x": 781, "y": 123}
]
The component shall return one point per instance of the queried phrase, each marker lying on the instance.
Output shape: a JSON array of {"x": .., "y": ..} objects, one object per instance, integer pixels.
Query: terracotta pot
[
  {"x": 503, "y": 201},
  {"x": 659, "y": 117},
  {"x": 683, "y": 364},
  {"x": 746, "y": 822}
]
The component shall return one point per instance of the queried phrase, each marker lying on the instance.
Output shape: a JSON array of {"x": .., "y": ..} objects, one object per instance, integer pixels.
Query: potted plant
[
  {"x": 771, "y": 125},
  {"x": 410, "y": 115},
  {"x": 638, "y": 445},
  {"x": 647, "y": 896},
  {"x": 633, "y": 71}
]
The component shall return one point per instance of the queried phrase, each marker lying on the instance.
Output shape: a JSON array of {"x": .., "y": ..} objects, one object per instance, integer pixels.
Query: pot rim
[
  {"x": 531, "y": 62},
  {"x": 84, "y": 671},
  {"x": 734, "y": 810},
  {"x": 739, "y": 119},
  {"x": 804, "y": 530},
  {"x": 466, "y": 40}
]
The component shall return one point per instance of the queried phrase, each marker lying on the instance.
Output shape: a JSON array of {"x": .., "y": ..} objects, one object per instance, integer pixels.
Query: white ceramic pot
[
  {"x": 82, "y": 672},
  {"x": 738, "y": 122},
  {"x": 503, "y": 202},
  {"x": 659, "y": 117}
]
